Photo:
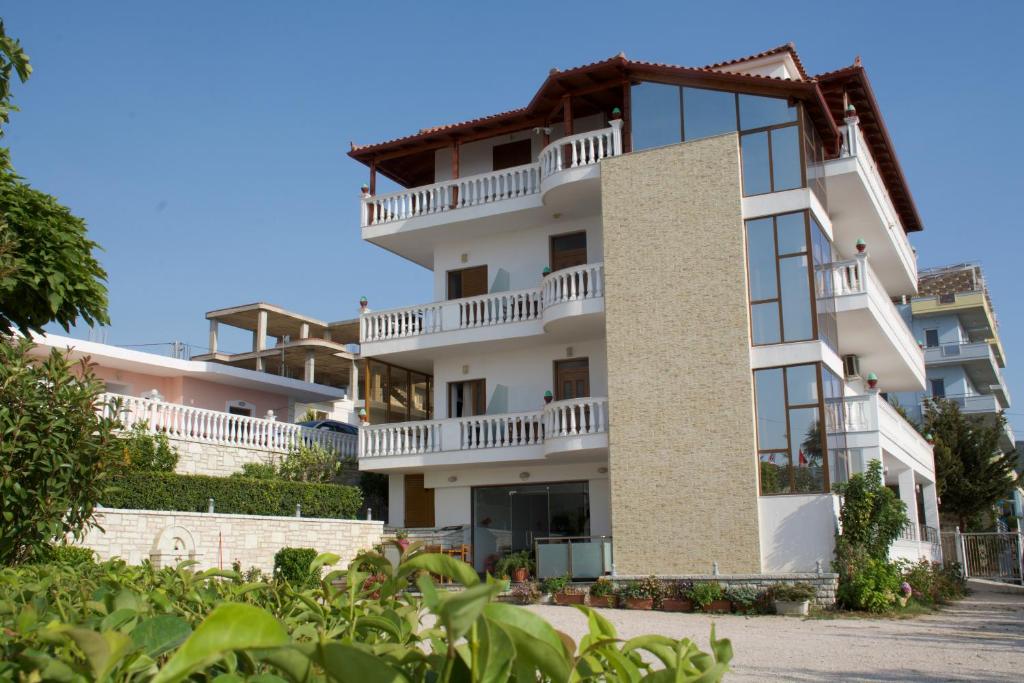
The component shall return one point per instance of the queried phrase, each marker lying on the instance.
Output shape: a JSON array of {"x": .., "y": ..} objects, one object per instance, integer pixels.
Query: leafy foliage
[
  {"x": 513, "y": 561},
  {"x": 972, "y": 475},
  {"x": 745, "y": 598},
  {"x": 53, "y": 449},
  {"x": 704, "y": 593},
  {"x": 12, "y": 60},
  {"x": 70, "y": 555},
  {"x": 310, "y": 463},
  {"x": 232, "y": 495},
  {"x": 554, "y": 584},
  {"x": 118, "y": 623},
  {"x": 643, "y": 589},
  {"x": 147, "y": 452},
  {"x": 602, "y": 588},
  {"x": 932, "y": 583},
  {"x": 793, "y": 592},
  {"x": 256, "y": 470},
  {"x": 292, "y": 565}
]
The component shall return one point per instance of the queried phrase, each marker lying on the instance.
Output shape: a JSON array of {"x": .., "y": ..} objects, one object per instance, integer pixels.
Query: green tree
[
  {"x": 54, "y": 448},
  {"x": 142, "y": 450},
  {"x": 311, "y": 463},
  {"x": 12, "y": 60},
  {"x": 971, "y": 472}
]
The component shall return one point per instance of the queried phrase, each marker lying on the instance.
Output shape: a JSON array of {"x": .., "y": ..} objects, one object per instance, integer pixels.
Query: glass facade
[
  {"x": 791, "y": 444},
  {"x": 774, "y": 153},
  {"x": 395, "y": 394}
]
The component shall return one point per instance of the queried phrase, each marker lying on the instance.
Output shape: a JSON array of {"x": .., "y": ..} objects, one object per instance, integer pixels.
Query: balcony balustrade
[
  {"x": 499, "y": 308},
  {"x": 188, "y": 423},
  {"x": 557, "y": 420}
]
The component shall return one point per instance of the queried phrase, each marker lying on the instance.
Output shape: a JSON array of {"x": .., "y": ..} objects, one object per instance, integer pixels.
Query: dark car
[{"x": 331, "y": 426}]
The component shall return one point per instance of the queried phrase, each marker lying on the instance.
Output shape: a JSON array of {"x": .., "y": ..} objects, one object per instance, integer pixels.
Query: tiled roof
[{"x": 788, "y": 47}]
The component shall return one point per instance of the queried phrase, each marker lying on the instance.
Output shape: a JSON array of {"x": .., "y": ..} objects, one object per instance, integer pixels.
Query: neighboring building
[
  {"x": 305, "y": 348},
  {"x": 706, "y": 330},
  {"x": 954, "y": 319},
  {"x": 217, "y": 417}
]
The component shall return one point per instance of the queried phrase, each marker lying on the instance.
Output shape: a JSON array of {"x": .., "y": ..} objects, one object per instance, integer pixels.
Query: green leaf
[
  {"x": 349, "y": 664},
  {"x": 536, "y": 642},
  {"x": 118, "y": 618},
  {"x": 323, "y": 559},
  {"x": 441, "y": 565},
  {"x": 102, "y": 651},
  {"x": 230, "y": 626},
  {"x": 161, "y": 634},
  {"x": 495, "y": 652},
  {"x": 458, "y": 611}
]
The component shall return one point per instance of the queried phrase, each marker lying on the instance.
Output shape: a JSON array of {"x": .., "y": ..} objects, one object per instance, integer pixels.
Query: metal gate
[{"x": 994, "y": 555}]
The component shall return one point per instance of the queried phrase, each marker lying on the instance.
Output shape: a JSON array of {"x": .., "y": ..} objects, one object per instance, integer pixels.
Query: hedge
[
  {"x": 232, "y": 495},
  {"x": 292, "y": 564}
]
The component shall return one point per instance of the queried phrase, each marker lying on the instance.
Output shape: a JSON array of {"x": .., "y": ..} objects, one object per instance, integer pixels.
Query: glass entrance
[{"x": 507, "y": 519}]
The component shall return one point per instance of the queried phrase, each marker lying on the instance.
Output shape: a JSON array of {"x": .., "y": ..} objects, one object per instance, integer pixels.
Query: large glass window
[
  {"x": 707, "y": 113},
  {"x": 781, "y": 309},
  {"x": 394, "y": 394},
  {"x": 655, "y": 115},
  {"x": 757, "y": 111},
  {"x": 833, "y": 388},
  {"x": 824, "y": 255},
  {"x": 791, "y": 444}
]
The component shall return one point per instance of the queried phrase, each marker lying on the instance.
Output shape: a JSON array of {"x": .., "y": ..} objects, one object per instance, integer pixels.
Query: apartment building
[
  {"x": 661, "y": 321},
  {"x": 954, "y": 319}
]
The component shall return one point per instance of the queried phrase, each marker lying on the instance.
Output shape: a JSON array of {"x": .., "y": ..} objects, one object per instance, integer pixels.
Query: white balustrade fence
[
  {"x": 574, "y": 284},
  {"x": 211, "y": 426},
  {"x": 498, "y": 308},
  {"x": 582, "y": 149},
  {"x": 572, "y": 417}
]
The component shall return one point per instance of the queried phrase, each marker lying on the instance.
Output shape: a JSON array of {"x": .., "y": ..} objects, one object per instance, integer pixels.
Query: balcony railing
[
  {"x": 573, "y": 151},
  {"x": 214, "y": 427},
  {"x": 572, "y": 417},
  {"x": 854, "y": 146},
  {"x": 499, "y": 308}
]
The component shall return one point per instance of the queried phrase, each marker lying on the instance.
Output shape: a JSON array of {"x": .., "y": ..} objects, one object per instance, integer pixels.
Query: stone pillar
[
  {"x": 931, "y": 504},
  {"x": 309, "y": 368},
  {"x": 304, "y": 331},
  {"x": 908, "y": 495},
  {"x": 213, "y": 336},
  {"x": 259, "y": 338},
  {"x": 396, "y": 500},
  {"x": 353, "y": 383}
]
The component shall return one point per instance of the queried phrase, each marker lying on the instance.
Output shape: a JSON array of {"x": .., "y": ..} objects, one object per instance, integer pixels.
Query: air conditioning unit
[{"x": 851, "y": 366}]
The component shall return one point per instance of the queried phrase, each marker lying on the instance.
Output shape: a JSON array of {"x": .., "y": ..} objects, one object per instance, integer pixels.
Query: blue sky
[{"x": 204, "y": 142}]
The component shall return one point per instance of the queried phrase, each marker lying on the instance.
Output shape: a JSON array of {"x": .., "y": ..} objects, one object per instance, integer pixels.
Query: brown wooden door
[
  {"x": 467, "y": 282},
  {"x": 568, "y": 250},
  {"x": 572, "y": 379},
  {"x": 419, "y": 502},
  {"x": 511, "y": 154}
]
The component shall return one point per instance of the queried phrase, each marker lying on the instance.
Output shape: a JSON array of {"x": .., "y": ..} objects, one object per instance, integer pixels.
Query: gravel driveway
[{"x": 980, "y": 638}]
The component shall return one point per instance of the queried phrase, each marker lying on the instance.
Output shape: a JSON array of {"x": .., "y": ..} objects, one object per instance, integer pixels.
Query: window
[
  {"x": 771, "y": 160},
  {"x": 790, "y": 442},
  {"x": 467, "y": 282},
  {"x": 654, "y": 109},
  {"x": 938, "y": 388},
  {"x": 511, "y": 154},
  {"x": 823, "y": 255},
  {"x": 240, "y": 408},
  {"x": 467, "y": 398},
  {"x": 931, "y": 338},
  {"x": 568, "y": 250},
  {"x": 708, "y": 112},
  {"x": 396, "y": 394},
  {"x": 781, "y": 308}
]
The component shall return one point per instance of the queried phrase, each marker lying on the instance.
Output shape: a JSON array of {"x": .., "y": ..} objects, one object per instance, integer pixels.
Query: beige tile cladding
[{"x": 683, "y": 477}]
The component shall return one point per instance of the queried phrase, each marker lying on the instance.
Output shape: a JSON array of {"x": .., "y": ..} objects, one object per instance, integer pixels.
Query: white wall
[
  {"x": 396, "y": 500},
  {"x": 525, "y": 372},
  {"x": 796, "y": 532},
  {"x": 522, "y": 254}
]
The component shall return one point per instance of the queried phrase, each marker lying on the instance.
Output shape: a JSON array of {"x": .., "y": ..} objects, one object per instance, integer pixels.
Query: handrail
[
  {"x": 573, "y": 284},
  {"x": 189, "y": 423},
  {"x": 576, "y": 417},
  {"x": 581, "y": 149}
]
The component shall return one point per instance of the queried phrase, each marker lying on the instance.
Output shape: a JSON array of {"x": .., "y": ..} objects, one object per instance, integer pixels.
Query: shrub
[
  {"x": 793, "y": 592},
  {"x": 744, "y": 598},
  {"x": 602, "y": 588},
  {"x": 706, "y": 592},
  {"x": 148, "y": 452},
  {"x": 526, "y": 593},
  {"x": 136, "y": 621},
  {"x": 643, "y": 589},
  {"x": 310, "y": 463},
  {"x": 679, "y": 589},
  {"x": 555, "y": 584},
  {"x": 507, "y": 565},
  {"x": 256, "y": 470},
  {"x": 69, "y": 555},
  {"x": 54, "y": 447},
  {"x": 232, "y": 495},
  {"x": 870, "y": 585},
  {"x": 931, "y": 583},
  {"x": 292, "y": 565}
]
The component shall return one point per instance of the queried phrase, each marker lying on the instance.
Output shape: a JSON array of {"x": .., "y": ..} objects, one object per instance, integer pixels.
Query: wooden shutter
[{"x": 419, "y": 502}]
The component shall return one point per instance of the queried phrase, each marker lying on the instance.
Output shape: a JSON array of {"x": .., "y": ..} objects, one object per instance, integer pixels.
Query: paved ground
[{"x": 979, "y": 639}]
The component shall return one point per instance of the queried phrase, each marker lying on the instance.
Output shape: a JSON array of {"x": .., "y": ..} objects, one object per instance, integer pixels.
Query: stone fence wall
[
  {"x": 825, "y": 583},
  {"x": 218, "y": 460},
  {"x": 218, "y": 540}
]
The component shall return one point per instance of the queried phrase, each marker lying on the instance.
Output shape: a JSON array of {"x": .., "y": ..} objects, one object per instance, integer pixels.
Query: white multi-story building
[{"x": 662, "y": 315}]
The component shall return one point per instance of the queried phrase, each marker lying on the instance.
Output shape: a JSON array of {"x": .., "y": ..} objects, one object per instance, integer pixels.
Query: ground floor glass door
[{"x": 509, "y": 518}]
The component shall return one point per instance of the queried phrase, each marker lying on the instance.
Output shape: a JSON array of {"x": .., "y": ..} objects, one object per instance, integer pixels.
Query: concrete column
[
  {"x": 309, "y": 367},
  {"x": 304, "y": 331},
  {"x": 259, "y": 338},
  {"x": 909, "y": 496},
  {"x": 213, "y": 336},
  {"x": 354, "y": 391},
  {"x": 931, "y": 504},
  {"x": 396, "y": 500}
]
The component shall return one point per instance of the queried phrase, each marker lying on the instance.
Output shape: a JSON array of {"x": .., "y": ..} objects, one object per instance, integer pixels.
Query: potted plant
[
  {"x": 552, "y": 586},
  {"x": 402, "y": 539},
  {"x": 792, "y": 599},
  {"x": 571, "y": 595},
  {"x": 517, "y": 565},
  {"x": 602, "y": 593},
  {"x": 709, "y": 597},
  {"x": 525, "y": 593},
  {"x": 744, "y": 599},
  {"x": 677, "y": 597},
  {"x": 640, "y": 594},
  {"x": 505, "y": 581}
]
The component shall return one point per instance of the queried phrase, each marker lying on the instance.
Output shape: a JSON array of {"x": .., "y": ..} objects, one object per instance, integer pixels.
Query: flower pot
[
  {"x": 677, "y": 605},
  {"x": 520, "y": 574},
  {"x": 506, "y": 585},
  {"x": 569, "y": 598},
  {"x": 403, "y": 543},
  {"x": 603, "y": 601},
  {"x": 792, "y": 608},
  {"x": 638, "y": 603},
  {"x": 718, "y": 606}
]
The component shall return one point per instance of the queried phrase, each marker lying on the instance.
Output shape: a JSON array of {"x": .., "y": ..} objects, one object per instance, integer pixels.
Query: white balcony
[
  {"x": 860, "y": 208},
  {"x": 873, "y": 428},
  {"x": 571, "y": 429},
  {"x": 187, "y": 423},
  {"x": 978, "y": 359},
  {"x": 569, "y": 303},
  {"x": 562, "y": 180},
  {"x": 871, "y": 327}
]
